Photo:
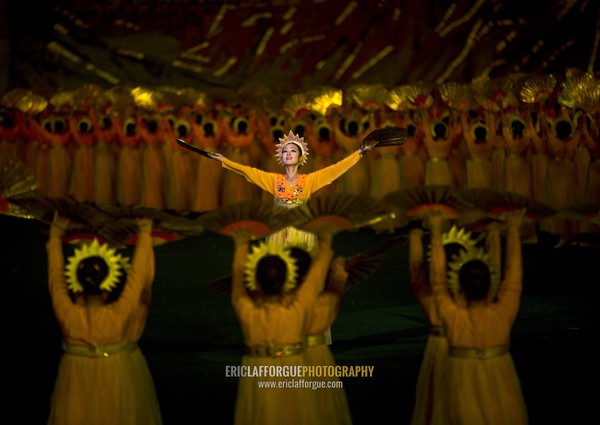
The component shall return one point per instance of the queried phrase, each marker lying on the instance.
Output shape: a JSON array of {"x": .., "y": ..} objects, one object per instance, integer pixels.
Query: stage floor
[{"x": 192, "y": 334}]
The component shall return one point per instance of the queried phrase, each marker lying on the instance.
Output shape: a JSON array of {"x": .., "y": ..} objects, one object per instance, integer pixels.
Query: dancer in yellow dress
[
  {"x": 103, "y": 377},
  {"x": 331, "y": 400},
  {"x": 483, "y": 384},
  {"x": 292, "y": 188},
  {"x": 431, "y": 396},
  {"x": 274, "y": 321}
]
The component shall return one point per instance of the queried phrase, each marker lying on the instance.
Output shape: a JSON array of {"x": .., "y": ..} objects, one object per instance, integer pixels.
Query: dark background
[{"x": 58, "y": 45}]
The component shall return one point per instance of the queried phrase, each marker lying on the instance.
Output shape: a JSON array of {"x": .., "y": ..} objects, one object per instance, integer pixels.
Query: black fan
[{"x": 386, "y": 136}]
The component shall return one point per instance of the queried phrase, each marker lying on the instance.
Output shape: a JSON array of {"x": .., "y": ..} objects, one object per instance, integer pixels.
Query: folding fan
[
  {"x": 386, "y": 136},
  {"x": 362, "y": 265},
  {"x": 581, "y": 212},
  {"x": 122, "y": 229},
  {"x": 193, "y": 148},
  {"x": 342, "y": 210},
  {"x": 496, "y": 203},
  {"x": 414, "y": 202},
  {"x": 258, "y": 217},
  {"x": 16, "y": 181}
]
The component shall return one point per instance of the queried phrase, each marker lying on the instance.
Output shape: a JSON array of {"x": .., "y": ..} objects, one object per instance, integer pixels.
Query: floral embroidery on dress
[{"x": 289, "y": 192}]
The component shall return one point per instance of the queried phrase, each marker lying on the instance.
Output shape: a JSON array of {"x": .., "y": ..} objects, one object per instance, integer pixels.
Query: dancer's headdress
[
  {"x": 117, "y": 265},
  {"x": 464, "y": 257},
  {"x": 298, "y": 141},
  {"x": 270, "y": 248},
  {"x": 456, "y": 236}
]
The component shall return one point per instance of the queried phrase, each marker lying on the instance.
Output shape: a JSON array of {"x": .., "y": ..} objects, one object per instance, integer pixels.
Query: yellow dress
[
  {"x": 431, "y": 395},
  {"x": 92, "y": 388},
  {"x": 276, "y": 324},
  {"x": 206, "y": 191},
  {"x": 82, "y": 175},
  {"x": 332, "y": 402},
  {"x": 129, "y": 159},
  {"x": 293, "y": 196},
  {"x": 483, "y": 384},
  {"x": 153, "y": 167},
  {"x": 105, "y": 164}
]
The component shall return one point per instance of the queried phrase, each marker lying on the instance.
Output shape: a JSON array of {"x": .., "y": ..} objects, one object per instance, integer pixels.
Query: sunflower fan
[
  {"x": 386, "y": 136},
  {"x": 496, "y": 203},
  {"x": 414, "y": 202},
  {"x": 256, "y": 216},
  {"x": 342, "y": 210}
]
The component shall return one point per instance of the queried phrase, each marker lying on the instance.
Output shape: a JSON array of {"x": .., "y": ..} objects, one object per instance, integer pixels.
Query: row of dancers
[{"x": 550, "y": 155}]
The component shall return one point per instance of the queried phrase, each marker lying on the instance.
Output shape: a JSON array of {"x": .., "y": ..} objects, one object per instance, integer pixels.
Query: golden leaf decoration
[
  {"x": 410, "y": 96},
  {"x": 457, "y": 96},
  {"x": 25, "y": 101},
  {"x": 537, "y": 89}
]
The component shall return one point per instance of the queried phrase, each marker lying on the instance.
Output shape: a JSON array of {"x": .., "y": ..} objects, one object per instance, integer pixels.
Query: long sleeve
[
  {"x": 510, "y": 291},
  {"x": 439, "y": 281},
  {"x": 143, "y": 260},
  {"x": 143, "y": 270},
  {"x": 418, "y": 281},
  {"x": 263, "y": 179},
  {"x": 317, "y": 274},
  {"x": 493, "y": 246},
  {"x": 317, "y": 179},
  {"x": 61, "y": 302}
]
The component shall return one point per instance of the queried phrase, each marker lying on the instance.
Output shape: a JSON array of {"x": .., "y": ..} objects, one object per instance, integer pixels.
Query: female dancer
[{"x": 103, "y": 377}]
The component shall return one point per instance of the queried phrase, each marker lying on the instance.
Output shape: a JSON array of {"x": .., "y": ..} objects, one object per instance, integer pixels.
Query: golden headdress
[
  {"x": 473, "y": 254},
  {"x": 459, "y": 236},
  {"x": 268, "y": 248},
  {"x": 298, "y": 141},
  {"x": 116, "y": 263}
]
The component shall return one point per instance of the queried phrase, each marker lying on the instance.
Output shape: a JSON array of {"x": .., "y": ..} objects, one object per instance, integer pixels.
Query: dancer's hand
[
  {"x": 215, "y": 156},
  {"x": 365, "y": 148},
  {"x": 59, "y": 226},
  {"x": 514, "y": 218},
  {"x": 144, "y": 225},
  {"x": 242, "y": 237}
]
